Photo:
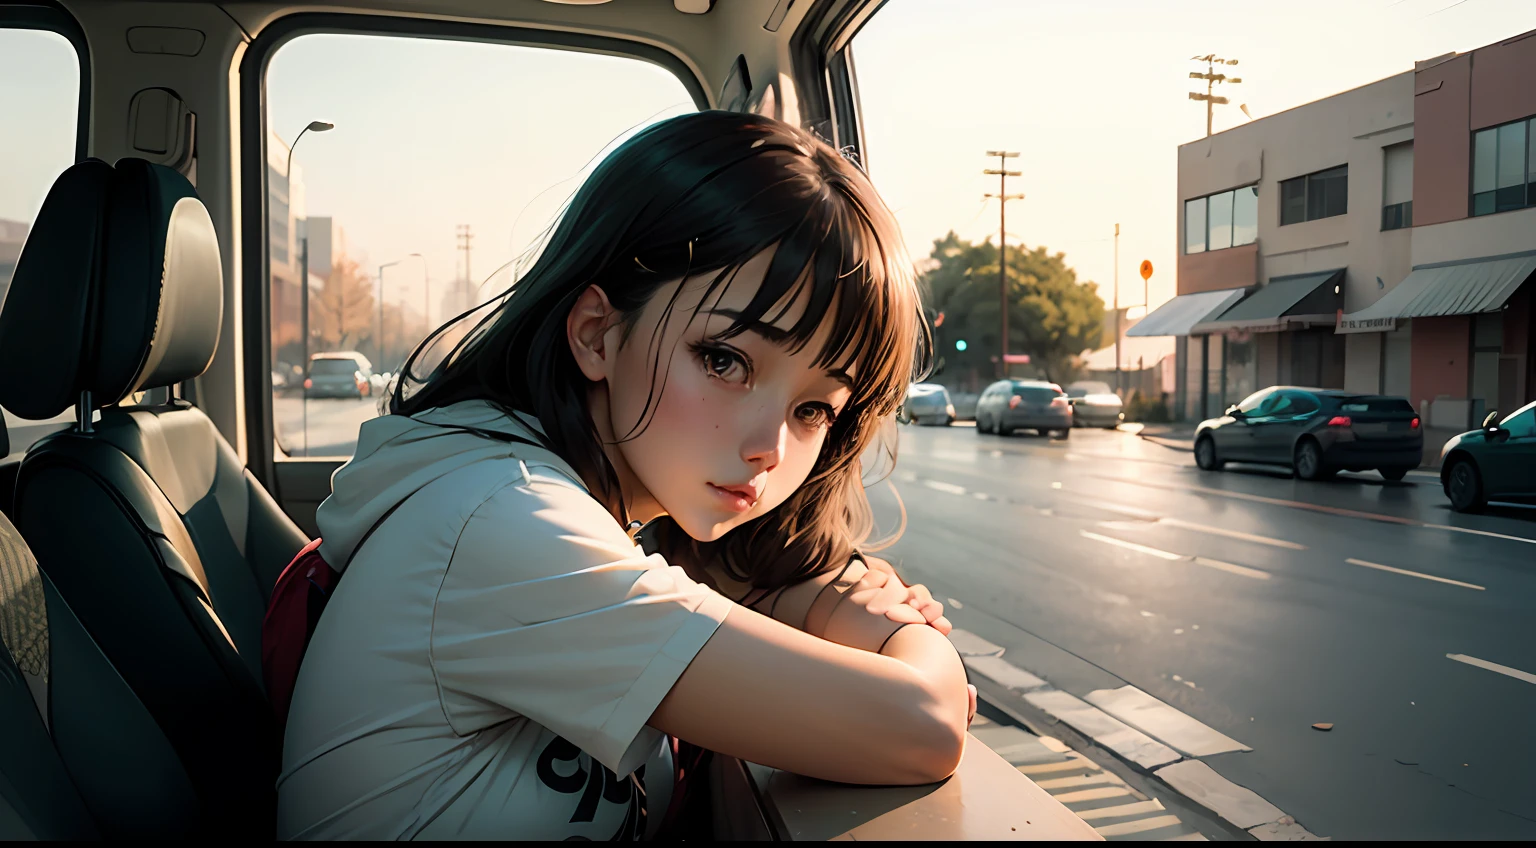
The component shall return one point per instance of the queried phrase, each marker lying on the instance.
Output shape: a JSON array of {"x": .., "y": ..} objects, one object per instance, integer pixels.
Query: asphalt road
[
  {"x": 332, "y": 424},
  {"x": 1258, "y": 604}
]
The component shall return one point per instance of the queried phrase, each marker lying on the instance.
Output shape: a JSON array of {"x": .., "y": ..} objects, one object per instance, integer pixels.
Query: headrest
[{"x": 119, "y": 288}]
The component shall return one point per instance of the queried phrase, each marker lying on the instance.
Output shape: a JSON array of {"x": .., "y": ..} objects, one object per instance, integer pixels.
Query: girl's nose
[{"x": 763, "y": 447}]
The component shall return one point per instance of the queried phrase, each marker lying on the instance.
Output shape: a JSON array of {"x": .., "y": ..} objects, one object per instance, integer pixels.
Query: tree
[
  {"x": 1051, "y": 316},
  {"x": 343, "y": 312}
]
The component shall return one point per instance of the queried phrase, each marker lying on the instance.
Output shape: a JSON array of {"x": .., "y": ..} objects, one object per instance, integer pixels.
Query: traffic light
[{"x": 959, "y": 344}]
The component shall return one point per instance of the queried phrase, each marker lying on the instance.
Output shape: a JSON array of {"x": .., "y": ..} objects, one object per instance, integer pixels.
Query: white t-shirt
[{"x": 488, "y": 662}]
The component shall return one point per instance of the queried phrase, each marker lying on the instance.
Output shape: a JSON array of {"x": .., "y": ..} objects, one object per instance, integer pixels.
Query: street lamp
[
  {"x": 380, "y": 343},
  {"x": 314, "y": 126}
]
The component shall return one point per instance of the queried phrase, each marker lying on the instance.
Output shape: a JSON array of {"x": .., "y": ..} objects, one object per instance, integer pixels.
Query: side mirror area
[
  {"x": 1491, "y": 420},
  {"x": 1234, "y": 412}
]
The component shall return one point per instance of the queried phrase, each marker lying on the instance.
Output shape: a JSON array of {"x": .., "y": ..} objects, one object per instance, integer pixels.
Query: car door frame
[
  {"x": 1276, "y": 435},
  {"x": 1500, "y": 478}
]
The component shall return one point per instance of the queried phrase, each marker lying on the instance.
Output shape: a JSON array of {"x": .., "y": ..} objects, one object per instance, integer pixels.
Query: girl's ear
[{"x": 586, "y": 329}]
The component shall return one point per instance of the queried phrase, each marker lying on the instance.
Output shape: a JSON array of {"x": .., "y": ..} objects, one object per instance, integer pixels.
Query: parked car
[
  {"x": 1495, "y": 463},
  {"x": 344, "y": 373},
  {"x": 1094, "y": 404},
  {"x": 1317, "y": 432},
  {"x": 1010, "y": 405},
  {"x": 928, "y": 403}
]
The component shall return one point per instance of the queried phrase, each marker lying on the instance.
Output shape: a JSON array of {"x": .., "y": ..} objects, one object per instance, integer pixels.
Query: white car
[{"x": 1094, "y": 404}]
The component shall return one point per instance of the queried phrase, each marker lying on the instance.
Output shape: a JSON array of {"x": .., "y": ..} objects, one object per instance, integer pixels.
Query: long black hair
[{"x": 691, "y": 196}]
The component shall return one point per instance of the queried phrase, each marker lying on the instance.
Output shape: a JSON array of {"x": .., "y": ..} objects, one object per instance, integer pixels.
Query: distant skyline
[{"x": 431, "y": 134}]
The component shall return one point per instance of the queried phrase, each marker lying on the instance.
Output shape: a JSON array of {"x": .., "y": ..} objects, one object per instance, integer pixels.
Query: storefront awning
[
  {"x": 1281, "y": 303},
  {"x": 1464, "y": 287},
  {"x": 1175, "y": 317}
]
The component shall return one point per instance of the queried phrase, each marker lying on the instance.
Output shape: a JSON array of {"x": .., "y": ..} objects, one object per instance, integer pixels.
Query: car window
[
  {"x": 1299, "y": 403},
  {"x": 1036, "y": 394},
  {"x": 1255, "y": 400},
  {"x": 1522, "y": 424},
  {"x": 445, "y": 163},
  {"x": 331, "y": 367},
  {"x": 40, "y": 93}
]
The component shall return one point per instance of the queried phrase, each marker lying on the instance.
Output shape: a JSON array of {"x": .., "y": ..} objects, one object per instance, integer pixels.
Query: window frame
[
  {"x": 1528, "y": 157},
  {"x": 256, "y": 290},
  {"x": 48, "y": 16},
  {"x": 1205, "y": 201},
  {"x": 1307, "y": 196}
]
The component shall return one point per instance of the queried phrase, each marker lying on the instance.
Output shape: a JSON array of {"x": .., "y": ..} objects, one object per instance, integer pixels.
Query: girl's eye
[
  {"x": 724, "y": 364},
  {"x": 816, "y": 415}
]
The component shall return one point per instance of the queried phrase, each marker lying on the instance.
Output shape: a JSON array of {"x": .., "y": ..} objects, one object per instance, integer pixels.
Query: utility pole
[
  {"x": 1211, "y": 78},
  {"x": 1003, "y": 197},
  {"x": 1117, "y": 309}
]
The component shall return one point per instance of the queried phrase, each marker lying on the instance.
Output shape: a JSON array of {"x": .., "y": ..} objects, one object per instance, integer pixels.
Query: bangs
[{"x": 837, "y": 250}]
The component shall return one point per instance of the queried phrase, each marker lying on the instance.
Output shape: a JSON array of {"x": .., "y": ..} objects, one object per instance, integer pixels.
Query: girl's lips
[{"x": 736, "y": 500}]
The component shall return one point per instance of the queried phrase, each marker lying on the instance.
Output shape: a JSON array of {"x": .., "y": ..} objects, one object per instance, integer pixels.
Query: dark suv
[{"x": 1317, "y": 432}]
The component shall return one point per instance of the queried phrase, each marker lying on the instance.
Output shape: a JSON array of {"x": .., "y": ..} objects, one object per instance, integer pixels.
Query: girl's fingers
[
  {"x": 971, "y": 694},
  {"x": 942, "y": 625}
]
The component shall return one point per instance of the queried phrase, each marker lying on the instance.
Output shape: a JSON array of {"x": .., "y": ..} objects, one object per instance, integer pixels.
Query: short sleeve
[{"x": 549, "y": 611}]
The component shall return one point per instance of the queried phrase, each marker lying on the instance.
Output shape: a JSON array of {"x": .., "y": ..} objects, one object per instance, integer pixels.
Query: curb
[{"x": 1172, "y": 761}]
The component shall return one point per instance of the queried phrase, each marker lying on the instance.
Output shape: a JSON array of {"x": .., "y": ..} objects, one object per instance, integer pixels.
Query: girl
[{"x": 719, "y": 327}]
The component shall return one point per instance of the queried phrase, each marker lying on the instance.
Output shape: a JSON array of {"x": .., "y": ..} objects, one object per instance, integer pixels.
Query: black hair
[{"x": 687, "y": 197}]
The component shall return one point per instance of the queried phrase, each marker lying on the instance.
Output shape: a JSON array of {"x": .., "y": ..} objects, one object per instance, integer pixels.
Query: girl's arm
[{"x": 766, "y": 692}]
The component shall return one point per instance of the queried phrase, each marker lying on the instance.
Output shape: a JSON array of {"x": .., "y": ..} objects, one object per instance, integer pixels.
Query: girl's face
[{"x": 737, "y": 424}]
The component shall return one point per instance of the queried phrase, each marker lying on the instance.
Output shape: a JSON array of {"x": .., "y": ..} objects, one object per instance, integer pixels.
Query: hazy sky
[{"x": 1093, "y": 94}]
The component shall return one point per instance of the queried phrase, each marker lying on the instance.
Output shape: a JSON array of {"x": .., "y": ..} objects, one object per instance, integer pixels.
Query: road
[
  {"x": 1258, "y": 604},
  {"x": 332, "y": 424}
]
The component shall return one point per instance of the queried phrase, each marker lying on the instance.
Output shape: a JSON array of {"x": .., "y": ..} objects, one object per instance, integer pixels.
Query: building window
[
  {"x": 1397, "y": 186},
  {"x": 1320, "y": 195},
  {"x": 1504, "y": 167},
  {"x": 1221, "y": 220},
  {"x": 1194, "y": 225}
]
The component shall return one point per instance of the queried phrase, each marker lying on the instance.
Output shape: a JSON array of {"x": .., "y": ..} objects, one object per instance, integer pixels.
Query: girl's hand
[{"x": 918, "y": 597}]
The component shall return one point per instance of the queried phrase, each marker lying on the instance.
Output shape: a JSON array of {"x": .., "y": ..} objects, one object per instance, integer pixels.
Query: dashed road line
[
  {"x": 1230, "y": 568},
  {"x": 1493, "y": 666},
  {"x": 1130, "y": 546},
  {"x": 1329, "y": 510},
  {"x": 1234, "y": 534},
  {"x": 1379, "y": 567}
]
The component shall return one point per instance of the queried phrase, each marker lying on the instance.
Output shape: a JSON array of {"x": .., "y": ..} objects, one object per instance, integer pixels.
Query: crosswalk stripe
[
  {"x": 1133, "y": 809},
  {"x": 1067, "y": 765},
  {"x": 1093, "y": 794},
  {"x": 1138, "y": 826},
  {"x": 1080, "y": 780}
]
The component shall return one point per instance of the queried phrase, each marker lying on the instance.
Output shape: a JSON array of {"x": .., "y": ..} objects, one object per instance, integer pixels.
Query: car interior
[{"x": 149, "y": 502}]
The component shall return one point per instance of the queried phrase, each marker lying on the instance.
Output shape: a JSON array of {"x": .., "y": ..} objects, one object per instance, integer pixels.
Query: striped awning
[
  {"x": 1177, "y": 316},
  {"x": 1463, "y": 287}
]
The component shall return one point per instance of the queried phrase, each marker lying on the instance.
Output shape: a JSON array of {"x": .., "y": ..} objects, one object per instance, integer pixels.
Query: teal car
[{"x": 1496, "y": 463}]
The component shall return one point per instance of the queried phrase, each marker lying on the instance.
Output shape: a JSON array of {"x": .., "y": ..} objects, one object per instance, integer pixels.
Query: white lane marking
[
  {"x": 1201, "y": 784},
  {"x": 1381, "y": 567},
  {"x": 1178, "y": 730},
  {"x": 1493, "y": 666},
  {"x": 941, "y": 486},
  {"x": 1108, "y": 731},
  {"x": 1130, "y": 546},
  {"x": 1234, "y": 534},
  {"x": 1043, "y": 768},
  {"x": 1230, "y": 568},
  {"x": 1487, "y": 533},
  {"x": 1139, "y": 826}
]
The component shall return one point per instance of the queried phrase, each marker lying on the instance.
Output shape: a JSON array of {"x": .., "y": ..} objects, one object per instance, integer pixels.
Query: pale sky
[{"x": 433, "y": 134}]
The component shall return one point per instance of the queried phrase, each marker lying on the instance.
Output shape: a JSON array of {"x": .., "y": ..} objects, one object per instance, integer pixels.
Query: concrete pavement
[{"x": 1258, "y": 605}]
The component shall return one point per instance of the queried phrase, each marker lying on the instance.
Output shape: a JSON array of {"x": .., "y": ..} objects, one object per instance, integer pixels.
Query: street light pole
[
  {"x": 316, "y": 126},
  {"x": 1003, "y": 197}
]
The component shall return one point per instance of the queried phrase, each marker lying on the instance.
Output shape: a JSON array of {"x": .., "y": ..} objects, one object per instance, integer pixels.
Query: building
[{"x": 1379, "y": 240}]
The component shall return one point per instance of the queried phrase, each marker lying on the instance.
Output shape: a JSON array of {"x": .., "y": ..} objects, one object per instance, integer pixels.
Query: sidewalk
[{"x": 1181, "y": 436}]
